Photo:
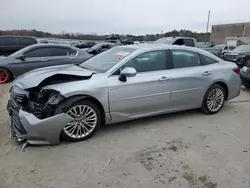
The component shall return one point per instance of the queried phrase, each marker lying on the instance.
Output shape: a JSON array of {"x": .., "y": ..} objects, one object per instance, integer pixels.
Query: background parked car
[
  {"x": 238, "y": 55},
  {"x": 219, "y": 50},
  {"x": 245, "y": 76},
  {"x": 11, "y": 44},
  {"x": 99, "y": 48},
  {"x": 224, "y": 49},
  {"x": 243, "y": 58},
  {"x": 187, "y": 41},
  {"x": 37, "y": 56},
  {"x": 86, "y": 44},
  {"x": 212, "y": 50}
]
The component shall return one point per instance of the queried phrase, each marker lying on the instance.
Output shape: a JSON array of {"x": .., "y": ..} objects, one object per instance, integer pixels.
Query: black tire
[
  {"x": 247, "y": 86},
  {"x": 65, "y": 106},
  {"x": 8, "y": 74},
  {"x": 204, "y": 108}
]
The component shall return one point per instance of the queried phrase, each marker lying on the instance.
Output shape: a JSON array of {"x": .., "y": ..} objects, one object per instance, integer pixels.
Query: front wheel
[
  {"x": 86, "y": 116},
  {"x": 214, "y": 99}
]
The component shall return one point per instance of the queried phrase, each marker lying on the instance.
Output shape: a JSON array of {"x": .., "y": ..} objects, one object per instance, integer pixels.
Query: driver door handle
[
  {"x": 44, "y": 60},
  {"x": 164, "y": 78},
  {"x": 206, "y": 73}
]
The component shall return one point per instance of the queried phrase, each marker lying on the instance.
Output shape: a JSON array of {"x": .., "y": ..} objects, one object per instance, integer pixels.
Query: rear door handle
[
  {"x": 164, "y": 78},
  {"x": 206, "y": 73},
  {"x": 44, "y": 60}
]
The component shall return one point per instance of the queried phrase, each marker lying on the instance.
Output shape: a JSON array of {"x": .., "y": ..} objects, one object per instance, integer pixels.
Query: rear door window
[
  {"x": 39, "y": 52},
  {"x": 184, "y": 58},
  {"x": 189, "y": 42},
  {"x": 207, "y": 60},
  {"x": 55, "y": 51},
  {"x": 179, "y": 42}
]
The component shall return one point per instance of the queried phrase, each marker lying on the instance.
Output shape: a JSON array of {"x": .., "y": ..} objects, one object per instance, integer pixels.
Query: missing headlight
[
  {"x": 54, "y": 98},
  {"x": 43, "y": 103}
]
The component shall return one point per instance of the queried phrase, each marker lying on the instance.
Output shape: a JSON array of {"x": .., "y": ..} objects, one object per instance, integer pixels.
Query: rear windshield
[
  {"x": 164, "y": 41},
  {"x": 105, "y": 60}
]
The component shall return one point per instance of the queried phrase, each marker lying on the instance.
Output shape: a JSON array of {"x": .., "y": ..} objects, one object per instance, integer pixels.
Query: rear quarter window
[
  {"x": 56, "y": 51},
  {"x": 207, "y": 60},
  {"x": 189, "y": 42}
]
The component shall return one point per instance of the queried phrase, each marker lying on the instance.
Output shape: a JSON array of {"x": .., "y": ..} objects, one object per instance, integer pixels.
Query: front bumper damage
[{"x": 27, "y": 127}]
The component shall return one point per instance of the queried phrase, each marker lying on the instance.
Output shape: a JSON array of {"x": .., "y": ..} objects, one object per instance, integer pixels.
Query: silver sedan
[{"x": 123, "y": 83}]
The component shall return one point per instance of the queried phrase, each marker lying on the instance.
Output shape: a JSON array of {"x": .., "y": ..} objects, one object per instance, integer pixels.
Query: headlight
[
  {"x": 55, "y": 98},
  {"x": 245, "y": 70},
  {"x": 51, "y": 97},
  {"x": 241, "y": 56}
]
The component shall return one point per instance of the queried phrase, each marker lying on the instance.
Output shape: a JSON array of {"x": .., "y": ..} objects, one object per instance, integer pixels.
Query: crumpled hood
[{"x": 35, "y": 77}]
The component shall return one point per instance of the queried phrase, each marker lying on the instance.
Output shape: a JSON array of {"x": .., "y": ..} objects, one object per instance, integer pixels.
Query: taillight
[{"x": 236, "y": 70}]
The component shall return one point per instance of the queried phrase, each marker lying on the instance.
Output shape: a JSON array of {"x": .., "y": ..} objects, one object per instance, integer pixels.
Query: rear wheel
[
  {"x": 5, "y": 76},
  {"x": 247, "y": 86},
  {"x": 214, "y": 99},
  {"x": 87, "y": 117}
]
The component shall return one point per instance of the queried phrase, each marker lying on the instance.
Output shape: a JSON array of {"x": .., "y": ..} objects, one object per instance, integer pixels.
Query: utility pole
[{"x": 208, "y": 18}]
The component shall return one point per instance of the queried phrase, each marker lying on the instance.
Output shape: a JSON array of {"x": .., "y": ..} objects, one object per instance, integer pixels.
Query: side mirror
[
  {"x": 127, "y": 72},
  {"x": 21, "y": 57}
]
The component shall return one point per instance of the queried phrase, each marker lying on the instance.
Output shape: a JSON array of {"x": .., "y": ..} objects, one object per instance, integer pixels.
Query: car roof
[
  {"x": 148, "y": 47},
  {"x": 11, "y": 36},
  {"x": 159, "y": 46},
  {"x": 177, "y": 38},
  {"x": 50, "y": 45}
]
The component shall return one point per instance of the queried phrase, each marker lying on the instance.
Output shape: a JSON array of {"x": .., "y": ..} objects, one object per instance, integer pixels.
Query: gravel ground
[{"x": 184, "y": 150}]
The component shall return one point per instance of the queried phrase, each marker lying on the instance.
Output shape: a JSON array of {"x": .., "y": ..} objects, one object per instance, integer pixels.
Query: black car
[
  {"x": 86, "y": 44},
  {"x": 239, "y": 55},
  {"x": 11, "y": 44},
  {"x": 99, "y": 48},
  {"x": 245, "y": 76},
  {"x": 38, "y": 56}
]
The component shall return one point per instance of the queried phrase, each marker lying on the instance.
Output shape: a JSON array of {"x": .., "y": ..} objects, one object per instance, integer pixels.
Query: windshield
[
  {"x": 242, "y": 49},
  {"x": 164, "y": 41},
  {"x": 95, "y": 47},
  {"x": 106, "y": 60}
]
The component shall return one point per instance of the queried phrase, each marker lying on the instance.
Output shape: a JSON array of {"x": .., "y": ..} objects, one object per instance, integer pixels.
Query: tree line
[{"x": 202, "y": 37}]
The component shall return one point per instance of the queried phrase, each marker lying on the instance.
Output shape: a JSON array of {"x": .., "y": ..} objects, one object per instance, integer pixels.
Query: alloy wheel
[
  {"x": 215, "y": 99},
  {"x": 84, "y": 121},
  {"x": 3, "y": 76}
]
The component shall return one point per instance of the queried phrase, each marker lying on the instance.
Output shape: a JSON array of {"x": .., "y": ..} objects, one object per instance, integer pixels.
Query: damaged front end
[
  {"x": 32, "y": 115},
  {"x": 31, "y": 106},
  {"x": 42, "y": 103}
]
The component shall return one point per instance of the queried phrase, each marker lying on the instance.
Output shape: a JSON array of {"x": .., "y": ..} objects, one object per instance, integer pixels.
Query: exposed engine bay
[{"x": 43, "y": 102}]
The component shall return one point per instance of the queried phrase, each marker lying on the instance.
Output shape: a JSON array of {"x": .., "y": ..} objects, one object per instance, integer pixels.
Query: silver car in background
[{"x": 123, "y": 83}]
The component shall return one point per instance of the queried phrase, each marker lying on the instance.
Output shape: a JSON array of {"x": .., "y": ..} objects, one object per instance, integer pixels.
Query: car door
[
  {"x": 190, "y": 79},
  {"x": 62, "y": 55},
  {"x": 146, "y": 93}
]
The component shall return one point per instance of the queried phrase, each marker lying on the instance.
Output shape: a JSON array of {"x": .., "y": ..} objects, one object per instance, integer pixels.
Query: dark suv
[{"x": 11, "y": 44}]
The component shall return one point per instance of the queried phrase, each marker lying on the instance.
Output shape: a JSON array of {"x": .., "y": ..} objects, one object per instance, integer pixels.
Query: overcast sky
[{"x": 119, "y": 16}]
